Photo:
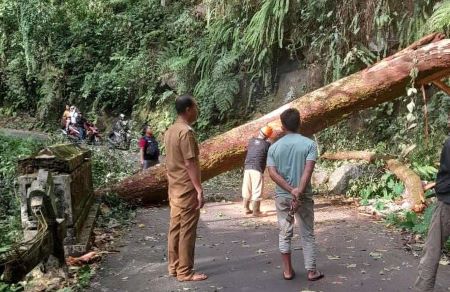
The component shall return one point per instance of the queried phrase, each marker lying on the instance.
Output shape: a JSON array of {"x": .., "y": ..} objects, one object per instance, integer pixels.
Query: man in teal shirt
[{"x": 291, "y": 161}]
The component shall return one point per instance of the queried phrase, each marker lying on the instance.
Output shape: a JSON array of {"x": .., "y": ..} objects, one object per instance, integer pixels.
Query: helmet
[
  {"x": 122, "y": 116},
  {"x": 266, "y": 131}
]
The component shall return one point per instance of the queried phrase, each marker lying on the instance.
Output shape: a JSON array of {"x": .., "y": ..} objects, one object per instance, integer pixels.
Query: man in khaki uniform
[{"x": 185, "y": 190}]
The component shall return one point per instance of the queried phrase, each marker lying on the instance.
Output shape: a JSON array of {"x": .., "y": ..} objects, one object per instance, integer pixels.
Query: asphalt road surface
[{"x": 239, "y": 253}]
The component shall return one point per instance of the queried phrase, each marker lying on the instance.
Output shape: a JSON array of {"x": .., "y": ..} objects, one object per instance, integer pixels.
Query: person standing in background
[
  {"x": 65, "y": 120},
  {"x": 254, "y": 166},
  {"x": 149, "y": 149},
  {"x": 73, "y": 115}
]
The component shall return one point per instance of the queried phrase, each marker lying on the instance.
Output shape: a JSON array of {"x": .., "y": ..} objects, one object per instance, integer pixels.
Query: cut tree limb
[
  {"x": 442, "y": 86},
  {"x": 355, "y": 155},
  {"x": 319, "y": 109},
  {"x": 413, "y": 184}
]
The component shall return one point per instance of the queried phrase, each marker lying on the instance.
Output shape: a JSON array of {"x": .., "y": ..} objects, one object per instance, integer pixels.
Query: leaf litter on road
[{"x": 376, "y": 255}]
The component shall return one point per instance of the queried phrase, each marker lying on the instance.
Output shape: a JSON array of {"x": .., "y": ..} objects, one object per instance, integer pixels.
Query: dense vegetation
[
  {"x": 134, "y": 56},
  {"x": 10, "y": 151}
]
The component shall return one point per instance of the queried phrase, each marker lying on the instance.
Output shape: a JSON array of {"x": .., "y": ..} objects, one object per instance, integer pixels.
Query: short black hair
[
  {"x": 144, "y": 129},
  {"x": 183, "y": 102},
  {"x": 290, "y": 119}
]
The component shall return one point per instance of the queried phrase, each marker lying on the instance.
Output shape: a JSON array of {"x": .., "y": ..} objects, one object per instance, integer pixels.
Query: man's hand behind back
[
  {"x": 200, "y": 199},
  {"x": 296, "y": 193}
]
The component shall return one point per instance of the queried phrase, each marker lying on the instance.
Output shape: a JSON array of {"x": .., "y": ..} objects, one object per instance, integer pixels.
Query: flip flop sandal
[
  {"x": 289, "y": 278},
  {"x": 319, "y": 275}
]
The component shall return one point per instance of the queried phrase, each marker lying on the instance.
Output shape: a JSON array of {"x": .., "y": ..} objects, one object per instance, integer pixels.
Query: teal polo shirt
[{"x": 289, "y": 155}]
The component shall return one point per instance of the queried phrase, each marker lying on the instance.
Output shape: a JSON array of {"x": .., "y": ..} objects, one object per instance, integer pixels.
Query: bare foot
[
  {"x": 195, "y": 277},
  {"x": 259, "y": 214},
  {"x": 292, "y": 275},
  {"x": 315, "y": 275}
]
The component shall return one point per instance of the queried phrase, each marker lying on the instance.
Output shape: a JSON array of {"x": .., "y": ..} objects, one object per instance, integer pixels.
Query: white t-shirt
[{"x": 73, "y": 117}]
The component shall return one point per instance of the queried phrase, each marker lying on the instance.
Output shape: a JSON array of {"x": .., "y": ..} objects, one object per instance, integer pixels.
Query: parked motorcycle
[
  {"x": 73, "y": 134},
  {"x": 120, "y": 136},
  {"x": 120, "y": 139},
  {"x": 92, "y": 134}
]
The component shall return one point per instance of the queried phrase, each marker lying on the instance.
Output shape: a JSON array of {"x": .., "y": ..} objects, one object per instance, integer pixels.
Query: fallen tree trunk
[
  {"x": 319, "y": 109},
  {"x": 413, "y": 184},
  {"x": 354, "y": 155}
]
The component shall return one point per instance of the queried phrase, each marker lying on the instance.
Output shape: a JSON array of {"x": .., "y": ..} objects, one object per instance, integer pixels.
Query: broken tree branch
[
  {"x": 442, "y": 86},
  {"x": 413, "y": 183}
]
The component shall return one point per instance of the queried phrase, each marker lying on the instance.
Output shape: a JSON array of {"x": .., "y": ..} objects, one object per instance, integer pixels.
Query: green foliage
[
  {"x": 424, "y": 221},
  {"x": 135, "y": 56},
  {"x": 115, "y": 210},
  {"x": 440, "y": 19},
  {"x": 266, "y": 28},
  {"x": 411, "y": 221},
  {"x": 335, "y": 31},
  {"x": 10, "y": 287},
  {"x": 94, "y": 55},
  {"x": 426, "y": 172},
  {"x": 386, "y": 187},
  {"x": 11, "y": 150},
  {"x": 84, "y": 275},
  {"x": 407, "y": 220},
  {"x": 110, "y": 165}
]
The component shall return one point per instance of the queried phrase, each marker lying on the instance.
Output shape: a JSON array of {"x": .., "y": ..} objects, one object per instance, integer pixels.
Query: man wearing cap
[{"x": 254, "y": 166}]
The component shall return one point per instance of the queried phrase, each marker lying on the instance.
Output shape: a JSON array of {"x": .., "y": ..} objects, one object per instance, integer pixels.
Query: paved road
[{"x": 240, "y": 254}]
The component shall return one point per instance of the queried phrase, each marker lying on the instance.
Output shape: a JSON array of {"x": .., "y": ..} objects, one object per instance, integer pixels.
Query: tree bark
[
  {"x": 355, "y": 155},
  {"x": 319, "y": 109},
  {"x": 412, "y": 182}
]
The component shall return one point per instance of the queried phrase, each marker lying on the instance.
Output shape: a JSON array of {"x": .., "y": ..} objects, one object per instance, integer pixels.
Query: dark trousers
[
  {"x": 149, "y": 163},
  {"x": 82, "y": 133},
  {"x": 438, "y": 234}
]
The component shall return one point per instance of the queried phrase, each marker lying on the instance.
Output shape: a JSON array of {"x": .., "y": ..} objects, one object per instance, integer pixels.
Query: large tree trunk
[{"x": 319, "y": 109}]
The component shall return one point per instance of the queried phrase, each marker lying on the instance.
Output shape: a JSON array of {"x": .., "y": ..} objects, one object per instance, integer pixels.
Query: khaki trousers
[
  {"x": 252, "y": 186},
  {"x": 437, "y": 236},
  {"x": 181, "y": 241}
]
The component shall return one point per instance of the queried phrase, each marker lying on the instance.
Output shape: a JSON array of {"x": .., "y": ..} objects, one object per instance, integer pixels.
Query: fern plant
[
  {"x": 179, "y": 63},
  {"x": 221, "y": 85},
  {"x": 440, "y": 19},
  {"x": 266, "y": 28}
]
